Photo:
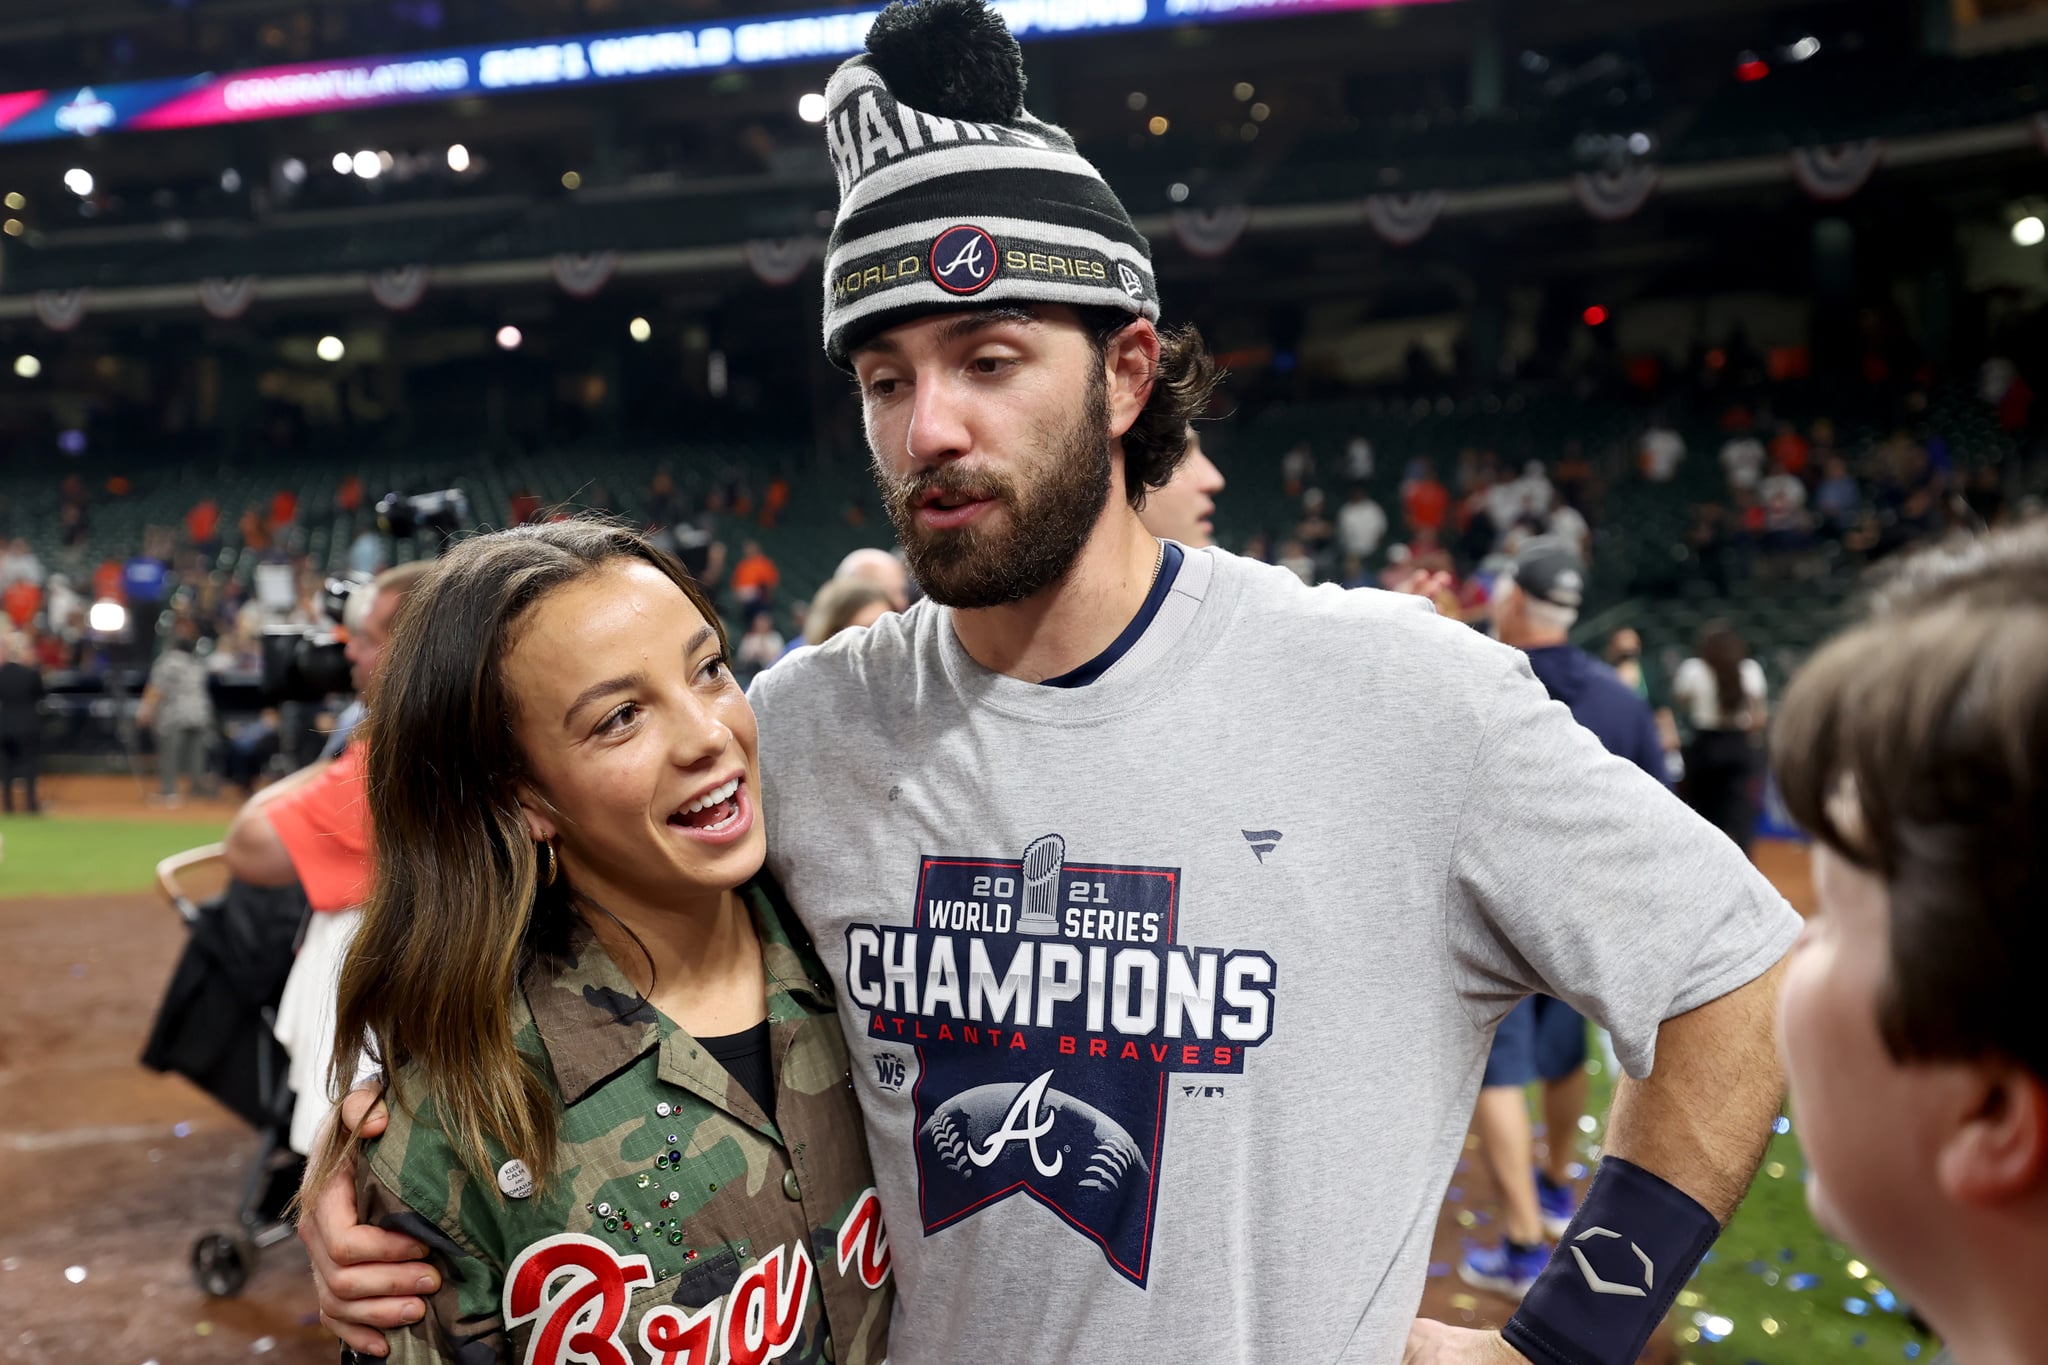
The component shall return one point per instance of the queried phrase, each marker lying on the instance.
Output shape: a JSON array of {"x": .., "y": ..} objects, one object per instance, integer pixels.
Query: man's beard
[{"x": 1048, "y": 523}]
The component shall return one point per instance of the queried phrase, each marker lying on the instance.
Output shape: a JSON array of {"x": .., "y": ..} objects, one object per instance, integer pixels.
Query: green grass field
[
  {"x": 59, "y": 857},
  {"x": 1775, "y": 1290}
]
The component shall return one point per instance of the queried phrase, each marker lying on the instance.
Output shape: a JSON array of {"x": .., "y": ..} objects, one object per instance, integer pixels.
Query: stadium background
[{"x": 1474, "y": 232}]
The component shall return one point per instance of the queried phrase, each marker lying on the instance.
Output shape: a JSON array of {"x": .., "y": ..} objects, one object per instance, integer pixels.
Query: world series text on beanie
[{"x": 951, "y": 195}]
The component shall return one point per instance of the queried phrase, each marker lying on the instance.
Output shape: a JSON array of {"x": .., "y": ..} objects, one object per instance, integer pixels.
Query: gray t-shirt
[{"x": 1169, "y": 997}]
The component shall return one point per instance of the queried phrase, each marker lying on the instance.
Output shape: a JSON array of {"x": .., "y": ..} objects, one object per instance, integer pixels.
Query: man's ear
[
  {"x": 1998, "y": 1152},
  {"x": 1129, "y": 362}
]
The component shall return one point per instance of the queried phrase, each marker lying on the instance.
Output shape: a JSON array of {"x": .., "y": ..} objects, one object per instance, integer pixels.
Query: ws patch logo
[{"x": 1049, "y": 1001}]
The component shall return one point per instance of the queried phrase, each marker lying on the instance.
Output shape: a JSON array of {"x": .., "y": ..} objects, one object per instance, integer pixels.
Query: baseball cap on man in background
[{"x": 1550, "y": 571}]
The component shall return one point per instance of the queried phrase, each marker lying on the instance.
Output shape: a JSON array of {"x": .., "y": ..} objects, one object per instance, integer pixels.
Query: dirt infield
[{"x": 111, "y": 1170}]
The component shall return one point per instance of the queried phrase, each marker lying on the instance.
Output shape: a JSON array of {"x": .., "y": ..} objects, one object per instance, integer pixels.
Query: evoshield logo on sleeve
[
  {"x": 1048, "y": 1001},
  {"x": 963, "y": 260}
]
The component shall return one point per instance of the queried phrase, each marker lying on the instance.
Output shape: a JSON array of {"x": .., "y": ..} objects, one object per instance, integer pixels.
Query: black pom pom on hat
[{"x": 950, "y": 58}]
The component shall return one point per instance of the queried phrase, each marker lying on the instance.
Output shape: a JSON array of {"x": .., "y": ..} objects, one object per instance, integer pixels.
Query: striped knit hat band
[{"x": 951, "y": 195}]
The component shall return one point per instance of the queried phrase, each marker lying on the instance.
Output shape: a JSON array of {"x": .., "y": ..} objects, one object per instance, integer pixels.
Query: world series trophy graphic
[{"x": 1041, "y": 868}]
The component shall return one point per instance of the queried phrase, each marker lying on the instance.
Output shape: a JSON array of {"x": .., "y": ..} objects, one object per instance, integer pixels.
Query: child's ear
[{"x": 1999, "y": 1152}]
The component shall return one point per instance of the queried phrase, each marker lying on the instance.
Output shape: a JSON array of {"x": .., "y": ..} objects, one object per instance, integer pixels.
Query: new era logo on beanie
[{"x": 951, "y": 195}]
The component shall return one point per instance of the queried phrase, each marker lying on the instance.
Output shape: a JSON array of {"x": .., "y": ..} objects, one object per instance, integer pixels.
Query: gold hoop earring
[{"x": 547, "y": 877}]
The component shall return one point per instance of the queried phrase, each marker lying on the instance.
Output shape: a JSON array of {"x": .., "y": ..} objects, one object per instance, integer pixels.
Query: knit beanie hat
[{"x": 951, "y": 196}]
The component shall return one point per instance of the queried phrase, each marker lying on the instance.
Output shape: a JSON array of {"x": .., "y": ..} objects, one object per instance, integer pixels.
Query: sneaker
[
  {"x": 1504, "y": 1270},
  {"x": 1558, "y": 1204}
]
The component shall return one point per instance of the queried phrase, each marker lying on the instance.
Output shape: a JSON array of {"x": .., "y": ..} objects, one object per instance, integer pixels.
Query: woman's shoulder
[{"x": 416, "y": 1158}]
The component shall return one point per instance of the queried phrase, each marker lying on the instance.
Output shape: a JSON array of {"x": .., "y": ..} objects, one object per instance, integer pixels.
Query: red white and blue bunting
[
  {"x": 400, "y": 288},
  {"x": 1612, "y": 196},
  {"x": 1835, "y": 172},
  {"x": 60, "y": 310},
  {"x": 779, "y": 261},
  {"x": 227, "y": 299},
  {"x": 1210, "y": 233},
  {"x": 581, "y": 277},
  {"x": 1404, "y": 219}
]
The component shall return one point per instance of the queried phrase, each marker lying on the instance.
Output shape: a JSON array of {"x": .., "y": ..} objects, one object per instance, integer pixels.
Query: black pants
[
  {"x": 1720, "y": 767},
  {"x": 20, "y": 757}
]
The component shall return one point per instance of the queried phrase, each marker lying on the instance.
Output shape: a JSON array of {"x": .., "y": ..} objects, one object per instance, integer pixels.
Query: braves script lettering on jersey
[{"x": 1142, "y": 1086}]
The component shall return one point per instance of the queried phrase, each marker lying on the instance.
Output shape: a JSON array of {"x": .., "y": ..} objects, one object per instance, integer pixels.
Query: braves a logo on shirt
[
  {"x": 1048, "y": 1001},
  {"x": 963, "y": 260}
]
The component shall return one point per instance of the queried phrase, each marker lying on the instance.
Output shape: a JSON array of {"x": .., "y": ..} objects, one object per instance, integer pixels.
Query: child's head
[{"x": 1914, "y": 748}]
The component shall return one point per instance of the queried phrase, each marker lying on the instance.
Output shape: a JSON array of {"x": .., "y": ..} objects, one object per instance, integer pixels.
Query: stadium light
[
  {"x": 458, "y": 158},
  {"x": 1158, "y": 125},
  {"x": 571, "y": 180},
  {"x": 509, "y": 338},
  {"x": 330, "y": 349},
  {"x": 1750, "y": 68},
  {"x": 107, "y": 616},
  {"x": 639, "y": 329},
  {"x": 1639, "y": 143},
  {"x": 79, "y": 181},
  {"x": 811, "y": 108},
  {"x": 1805, "y": 48},
  {"x": 344, "y": 164},
  {"x": 230, "y": 181},
  {"x": 1177, "y": 192},
  {"x": 1243, "y": 90},
  {"x": 15, "y": 200},
  {"x": 27, "y": 366},
  {"x": 367, "y": 165},
  {"x": 13, "y": 227},
  {"x": 293, "y": 170},
  {"x": 2028, "y": 231},
  {"x": 1261, "y": 111},
  {"x": 1135, "y": 101},
  {"x": 1594, "y": 316}
]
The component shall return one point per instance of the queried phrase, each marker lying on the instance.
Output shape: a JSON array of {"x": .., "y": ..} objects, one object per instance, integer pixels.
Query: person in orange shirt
[
  {"x": 349, "y": 497},
  {"x": 1791, "y": 450},
  {"x": 774, "y": 501},
  {"x": 1424, "y": 500},
  {"x": 202, "y": 523},
  {"x": 108, "y": 583},
  {"x": 755, "y": 578},
  {"x": 21, "y": 601},
  {"x": 284, "y": 509}
]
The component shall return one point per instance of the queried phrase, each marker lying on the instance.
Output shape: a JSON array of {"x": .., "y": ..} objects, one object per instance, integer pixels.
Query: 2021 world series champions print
[{"x": 1045, "y": 1000}]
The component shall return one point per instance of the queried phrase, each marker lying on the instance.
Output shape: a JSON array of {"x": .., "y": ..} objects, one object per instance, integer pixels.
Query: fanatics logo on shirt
[{"x": 1048, "y": 1001}]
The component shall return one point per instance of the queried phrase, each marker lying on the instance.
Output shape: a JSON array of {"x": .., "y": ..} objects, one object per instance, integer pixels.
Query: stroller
[{"x": 214, "y": 1027}]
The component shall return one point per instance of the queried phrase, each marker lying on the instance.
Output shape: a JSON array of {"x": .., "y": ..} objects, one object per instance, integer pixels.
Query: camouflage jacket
[{"x": 681, "y": 1226}]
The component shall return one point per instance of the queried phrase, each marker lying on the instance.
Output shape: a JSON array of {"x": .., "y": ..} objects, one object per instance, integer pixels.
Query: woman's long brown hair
[
  {"x": 1724, "y": 650},
  {"x": 458, "y": 908}
]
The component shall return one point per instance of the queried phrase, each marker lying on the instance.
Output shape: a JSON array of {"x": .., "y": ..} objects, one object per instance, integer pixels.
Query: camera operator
[{"x": 311, "y": 827}]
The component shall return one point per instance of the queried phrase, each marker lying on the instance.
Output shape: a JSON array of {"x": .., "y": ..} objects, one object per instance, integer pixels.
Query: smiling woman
[{"x": 569, "y": 964}]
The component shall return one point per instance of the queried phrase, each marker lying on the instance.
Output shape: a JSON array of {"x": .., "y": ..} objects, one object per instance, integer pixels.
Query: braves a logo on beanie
[{"x": 963, "y": 260}]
